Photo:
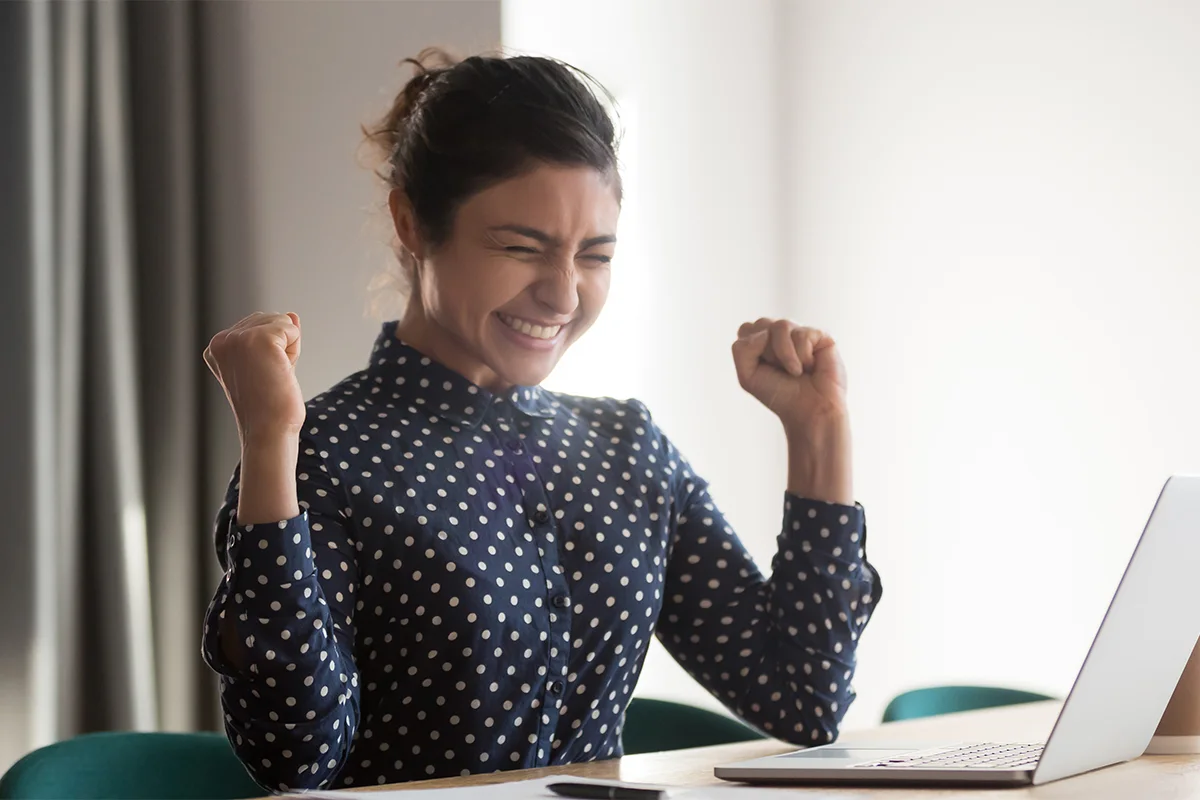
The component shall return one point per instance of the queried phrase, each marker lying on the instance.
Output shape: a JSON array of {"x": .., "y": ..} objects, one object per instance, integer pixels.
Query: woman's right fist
[{"x": 255, "y": 362}]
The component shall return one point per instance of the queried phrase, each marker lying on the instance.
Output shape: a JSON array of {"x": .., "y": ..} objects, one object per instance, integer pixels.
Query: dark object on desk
[
  {"x": 653, "y": 726},
  {"x": 600, "y": 791},
  {"x": 131, "y": 766},
  {"x": 950, "y": 699}
]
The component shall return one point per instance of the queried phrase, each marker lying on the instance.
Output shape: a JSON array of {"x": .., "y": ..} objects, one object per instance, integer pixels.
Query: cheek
[
  {"x": 469, "y": 284},
  {"x": 593, "y": 292}
]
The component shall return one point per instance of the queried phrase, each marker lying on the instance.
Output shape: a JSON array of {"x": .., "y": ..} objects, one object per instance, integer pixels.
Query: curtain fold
[
  {"x": 171, "y": 299},
  {"x": 117, "y": 518},
  {"x": 104, "y": 309},
  {"x": 70, "y": 208}
]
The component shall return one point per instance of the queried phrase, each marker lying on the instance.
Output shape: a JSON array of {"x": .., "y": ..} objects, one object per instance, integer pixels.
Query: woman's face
[{"x": 523, "y": 274}]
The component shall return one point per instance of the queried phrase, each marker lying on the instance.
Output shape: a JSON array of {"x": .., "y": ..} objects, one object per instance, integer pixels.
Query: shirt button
[
  {"x": 540, "y": 516},
  {"x": 556, "y": 687},
  {"x": 561, "y": 601},
  {"x": 515, "y": 447}
]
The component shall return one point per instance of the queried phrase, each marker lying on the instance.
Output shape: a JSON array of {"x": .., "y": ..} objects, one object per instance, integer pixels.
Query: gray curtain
[{"x": 103, "y": 309}]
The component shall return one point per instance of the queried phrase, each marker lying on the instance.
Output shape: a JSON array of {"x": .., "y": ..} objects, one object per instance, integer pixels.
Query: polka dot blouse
[{"x": 474, "y": 580}]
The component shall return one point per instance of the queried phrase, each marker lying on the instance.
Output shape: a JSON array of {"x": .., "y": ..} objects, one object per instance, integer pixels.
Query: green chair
[
  {"x": 949, "y": 699},
  {"x": 653, "y": 726},
  {"x": 131, "y": 766}
]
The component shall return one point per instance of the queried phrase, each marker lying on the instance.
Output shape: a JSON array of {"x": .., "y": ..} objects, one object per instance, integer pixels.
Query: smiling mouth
[{"x": 531, "y": 329}]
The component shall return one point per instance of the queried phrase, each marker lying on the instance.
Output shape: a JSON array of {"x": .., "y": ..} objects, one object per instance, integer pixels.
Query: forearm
[
  {"x": 820, "y": 461},
  {"x": 272, "y": 611},
  {"x": 268, "y": 480},
  {"x": 267, "y": 496},
  {"x": 778, "y": 652},
  {"x": 295, "y": 662}
]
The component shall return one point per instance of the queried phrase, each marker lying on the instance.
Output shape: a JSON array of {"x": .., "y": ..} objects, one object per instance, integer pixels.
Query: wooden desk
[{"x": 1159, "y": 777}]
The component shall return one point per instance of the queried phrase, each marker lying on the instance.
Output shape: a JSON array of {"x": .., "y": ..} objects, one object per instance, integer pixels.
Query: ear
[{"x": 405, "y": 222}]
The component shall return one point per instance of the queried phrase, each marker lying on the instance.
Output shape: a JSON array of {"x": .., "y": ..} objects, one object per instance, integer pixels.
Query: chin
[
  {"x": 522, "y": 368},
  {"x": 523, "y": 361}
]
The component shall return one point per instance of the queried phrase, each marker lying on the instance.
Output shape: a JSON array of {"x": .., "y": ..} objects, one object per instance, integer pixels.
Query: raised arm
[
  {"x": 779, "y": 651},
  {"x": 280, "y": 630}
]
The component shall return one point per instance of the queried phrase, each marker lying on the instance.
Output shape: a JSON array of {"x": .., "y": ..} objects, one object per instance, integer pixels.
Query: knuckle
[{"x": 216, "y": 344}]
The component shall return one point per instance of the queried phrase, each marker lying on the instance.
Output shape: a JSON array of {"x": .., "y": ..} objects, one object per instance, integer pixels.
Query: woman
[{"x": 438, "y": 567}]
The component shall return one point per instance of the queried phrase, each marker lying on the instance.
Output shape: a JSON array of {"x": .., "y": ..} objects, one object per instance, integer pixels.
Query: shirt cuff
[
  {"x": 271, "y": 554},
  {"x": 832, "y": 528}
]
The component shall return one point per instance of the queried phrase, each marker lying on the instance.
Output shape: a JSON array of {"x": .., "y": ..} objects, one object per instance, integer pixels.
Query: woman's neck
[{"x": 417, "y": 330}]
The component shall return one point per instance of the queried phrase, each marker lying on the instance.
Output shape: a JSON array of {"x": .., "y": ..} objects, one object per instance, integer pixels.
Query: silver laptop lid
[{"x": 1141, "y": 648}]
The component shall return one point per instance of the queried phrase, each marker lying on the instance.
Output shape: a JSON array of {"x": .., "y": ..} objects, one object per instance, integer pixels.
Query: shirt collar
[{"x": 442, "y": 391}]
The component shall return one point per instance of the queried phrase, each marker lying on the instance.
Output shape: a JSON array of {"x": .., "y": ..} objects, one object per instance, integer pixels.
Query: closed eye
[
  {"x": 516, "y": 248},
  {"x": 600, "y": 259}
]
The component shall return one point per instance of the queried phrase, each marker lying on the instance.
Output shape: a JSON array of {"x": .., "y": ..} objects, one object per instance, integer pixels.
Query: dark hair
[{"x": 458, "y": 127}]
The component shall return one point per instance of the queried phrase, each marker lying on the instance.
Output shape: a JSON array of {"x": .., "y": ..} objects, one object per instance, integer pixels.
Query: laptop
[{"x": 1113, "y": 709}]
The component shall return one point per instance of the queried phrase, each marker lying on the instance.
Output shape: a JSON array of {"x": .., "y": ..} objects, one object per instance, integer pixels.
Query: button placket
[{"x": 558, "y": 612}]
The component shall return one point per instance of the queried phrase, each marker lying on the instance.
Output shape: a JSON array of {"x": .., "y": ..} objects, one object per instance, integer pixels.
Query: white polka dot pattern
[{"x": 475, "y": 578}]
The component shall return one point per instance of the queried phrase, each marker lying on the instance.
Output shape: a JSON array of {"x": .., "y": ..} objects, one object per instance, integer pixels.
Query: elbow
[
  {"x": 812, "y": 722},
  {"x": 274, "y": 779},
  {"x": 282, "y": 769},
  {"x": 289, "y": 756},
  {"x": 813, "y": 732}
]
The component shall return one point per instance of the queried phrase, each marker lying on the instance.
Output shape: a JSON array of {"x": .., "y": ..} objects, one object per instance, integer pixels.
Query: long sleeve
[
  {"x": 475, "y": 576},
  {"x": 290, "y": 694},
  {"x": 778, "y": 651}
]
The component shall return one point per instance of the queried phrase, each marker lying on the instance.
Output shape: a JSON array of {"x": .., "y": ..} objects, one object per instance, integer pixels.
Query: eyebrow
[{"x": 547, "y": 239}]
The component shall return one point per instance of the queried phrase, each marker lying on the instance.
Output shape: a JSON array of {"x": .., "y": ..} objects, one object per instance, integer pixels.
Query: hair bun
[{"x": 385, "y": 135}]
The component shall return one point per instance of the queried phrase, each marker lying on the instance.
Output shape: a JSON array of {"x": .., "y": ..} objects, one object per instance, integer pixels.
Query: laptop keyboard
[{"x": 972, "y": 756}]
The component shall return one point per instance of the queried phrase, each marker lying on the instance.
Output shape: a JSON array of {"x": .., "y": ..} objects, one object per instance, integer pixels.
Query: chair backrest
[
  {"x": 131, "y": 766},
  {"x": 949, "y": 699},
  {"x": 656, "y": 725}
]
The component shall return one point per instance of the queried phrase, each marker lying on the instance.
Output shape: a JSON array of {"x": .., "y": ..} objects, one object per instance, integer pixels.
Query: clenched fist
[
  {"x": 255, "y": 361},
  {"x": 794, "y": 371},
  {"x": 797, "y": 373}
]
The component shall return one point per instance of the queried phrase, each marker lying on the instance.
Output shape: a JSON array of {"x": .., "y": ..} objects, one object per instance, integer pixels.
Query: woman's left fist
[{"x": 794, "y": 371}]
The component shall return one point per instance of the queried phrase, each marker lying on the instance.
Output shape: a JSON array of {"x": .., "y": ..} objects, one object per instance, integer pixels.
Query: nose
[{"x": 557, "y": 288}]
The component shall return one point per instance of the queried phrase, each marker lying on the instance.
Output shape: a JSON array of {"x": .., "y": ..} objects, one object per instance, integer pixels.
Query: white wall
[
  {"x": 992, "y": 206},
  {"x": 995, "y": 207}
]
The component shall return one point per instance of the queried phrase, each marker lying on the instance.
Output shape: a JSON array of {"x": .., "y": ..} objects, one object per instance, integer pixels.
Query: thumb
[{"x": 747, "y": 350}]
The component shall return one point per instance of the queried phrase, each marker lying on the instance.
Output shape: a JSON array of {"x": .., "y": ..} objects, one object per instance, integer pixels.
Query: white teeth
[{"x": 529, "y": 329}]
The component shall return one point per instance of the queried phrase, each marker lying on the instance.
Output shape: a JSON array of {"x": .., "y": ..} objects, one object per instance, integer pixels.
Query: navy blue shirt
[{"x": 474, "y": 580}]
